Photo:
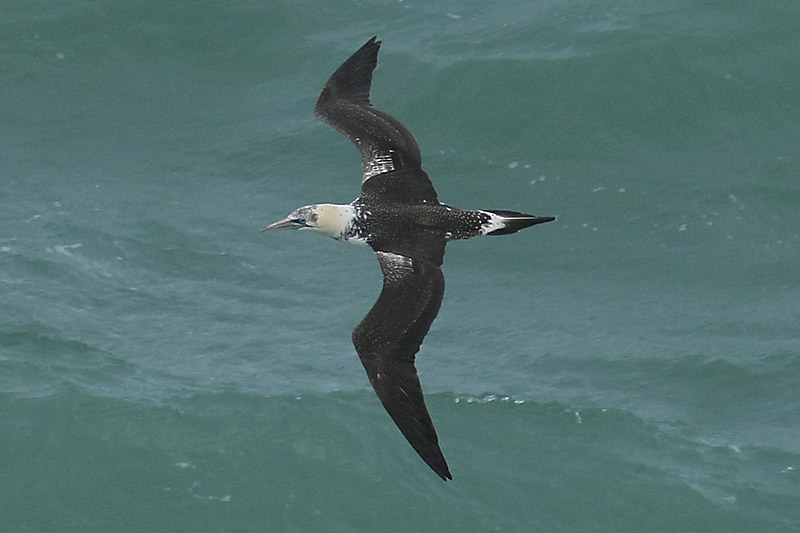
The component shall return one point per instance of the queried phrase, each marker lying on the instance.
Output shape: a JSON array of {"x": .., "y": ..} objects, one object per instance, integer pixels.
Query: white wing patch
[
  {"x": 378, "y": 163},
  {"x": 394, "y": 266}
]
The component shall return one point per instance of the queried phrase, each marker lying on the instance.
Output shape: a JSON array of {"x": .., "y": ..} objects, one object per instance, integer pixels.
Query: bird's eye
[{"x": 301, "y": 221}]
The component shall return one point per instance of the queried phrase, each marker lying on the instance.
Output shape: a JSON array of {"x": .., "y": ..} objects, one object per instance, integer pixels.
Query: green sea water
[{"x": 633, "y": 366}]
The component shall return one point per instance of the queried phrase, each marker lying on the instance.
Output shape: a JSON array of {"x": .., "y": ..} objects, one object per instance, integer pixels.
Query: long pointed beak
[{"x": 286, "y": 223}]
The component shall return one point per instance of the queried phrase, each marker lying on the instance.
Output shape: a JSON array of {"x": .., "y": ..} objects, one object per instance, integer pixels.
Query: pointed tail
[{"x": 507, "y": 222}]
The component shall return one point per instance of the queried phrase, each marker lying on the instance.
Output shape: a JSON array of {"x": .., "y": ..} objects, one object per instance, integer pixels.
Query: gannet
[{"x": 399, "y": 216}]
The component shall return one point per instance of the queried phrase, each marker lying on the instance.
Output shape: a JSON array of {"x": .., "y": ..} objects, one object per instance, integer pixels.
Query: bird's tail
[{"x": 507, "y": 222}]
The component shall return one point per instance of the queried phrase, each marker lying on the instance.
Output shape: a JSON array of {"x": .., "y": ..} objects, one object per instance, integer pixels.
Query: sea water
[{"x": 633, "y": 366}]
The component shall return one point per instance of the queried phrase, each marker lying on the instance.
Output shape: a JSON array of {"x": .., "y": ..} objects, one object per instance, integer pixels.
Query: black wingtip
[
  {"x": 370, "y": 49},
  {"x": 352, "y": 80},
  {"x": 434, "y": 458},
  {"x": 430, "y": 452},
  {"x": 443, "y": 471}
]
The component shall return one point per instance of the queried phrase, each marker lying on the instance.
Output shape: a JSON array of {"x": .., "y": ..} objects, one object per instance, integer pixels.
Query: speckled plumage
[{"x": 399, "y": 215}]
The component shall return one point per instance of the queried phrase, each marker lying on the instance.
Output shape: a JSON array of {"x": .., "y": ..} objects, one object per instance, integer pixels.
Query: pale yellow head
[{"x": 331, "y": 219}]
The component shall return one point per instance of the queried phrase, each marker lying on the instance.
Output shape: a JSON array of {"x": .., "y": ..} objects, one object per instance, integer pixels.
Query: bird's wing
[
  {"x": 388, "y": 339},
  {"x": 384, "y": 144}
]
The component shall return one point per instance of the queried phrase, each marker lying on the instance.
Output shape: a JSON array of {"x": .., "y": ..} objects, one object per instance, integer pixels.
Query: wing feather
[
  {"x": 384, "y": 144},
  {"x": 387, "y": 341}
]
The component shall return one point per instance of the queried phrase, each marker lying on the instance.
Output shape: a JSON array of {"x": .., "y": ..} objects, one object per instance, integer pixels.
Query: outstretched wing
[
  {"x": 384, "y": 144},
  {"x": 388, "y": 339}
]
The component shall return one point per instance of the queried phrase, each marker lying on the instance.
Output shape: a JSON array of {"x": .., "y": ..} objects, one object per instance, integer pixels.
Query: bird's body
[
  {"x": 399, "y": 216},
  {"x": 362, "y": 223}
]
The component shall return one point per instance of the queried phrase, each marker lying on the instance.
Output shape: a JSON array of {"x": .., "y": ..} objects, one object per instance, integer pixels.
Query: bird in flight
[{"x": 399, "y": 216}]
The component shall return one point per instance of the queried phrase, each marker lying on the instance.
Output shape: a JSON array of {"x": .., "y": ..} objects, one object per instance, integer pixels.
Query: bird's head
[
  {"x": 301, "y": 218},
  {"x": 329, "y": 219}
]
